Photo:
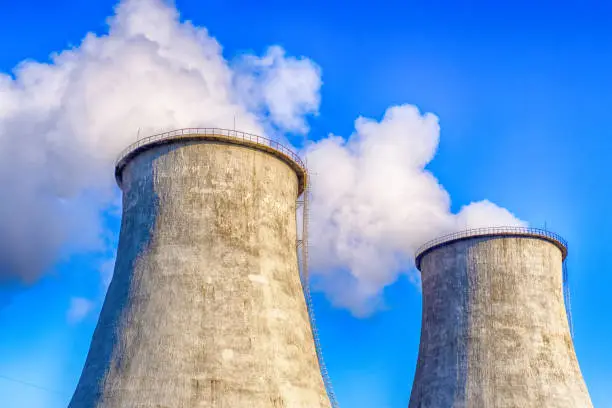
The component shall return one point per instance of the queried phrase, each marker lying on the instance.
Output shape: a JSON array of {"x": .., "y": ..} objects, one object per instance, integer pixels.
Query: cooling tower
[
  {"x": 495, "y": 333},
  {"x": 205, "y": 308}
]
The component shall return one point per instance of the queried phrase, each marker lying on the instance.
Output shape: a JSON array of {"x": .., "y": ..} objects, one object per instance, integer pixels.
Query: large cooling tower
[
  {"x": 205, "y": 308},
  {"x": 495, "y": 332}
]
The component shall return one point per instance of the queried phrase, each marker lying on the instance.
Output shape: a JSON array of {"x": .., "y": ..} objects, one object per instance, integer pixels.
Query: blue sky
[{"x": 522, "y": 93}]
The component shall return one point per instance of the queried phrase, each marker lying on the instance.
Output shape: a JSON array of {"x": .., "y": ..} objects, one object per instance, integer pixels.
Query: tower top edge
[
  {"x": 491, "y": 232},
  {"x": 235, "y": 137}
]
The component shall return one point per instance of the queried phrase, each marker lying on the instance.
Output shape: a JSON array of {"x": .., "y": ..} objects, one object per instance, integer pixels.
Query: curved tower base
[{"x": 205, "y": 308}]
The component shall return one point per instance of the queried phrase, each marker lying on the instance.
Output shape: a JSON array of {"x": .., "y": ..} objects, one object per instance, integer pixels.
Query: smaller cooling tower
[{"x": 494, "y": 331}]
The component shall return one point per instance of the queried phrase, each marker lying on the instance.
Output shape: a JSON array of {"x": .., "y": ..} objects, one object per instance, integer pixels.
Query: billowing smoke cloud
[
  {"x": 373, "y": 204},
  {"x": 284, "y": 89},
  {"x": 62, "y": 123}
]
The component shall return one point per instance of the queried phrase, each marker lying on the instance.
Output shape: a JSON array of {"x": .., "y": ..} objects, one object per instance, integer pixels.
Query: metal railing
[
  {"x": 476, "y": 232},
  {"x": 234, "y": 135}
]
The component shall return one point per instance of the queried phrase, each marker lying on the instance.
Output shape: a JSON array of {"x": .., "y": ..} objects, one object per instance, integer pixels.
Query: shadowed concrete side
[
  {"x": 205, "y": 308},
  {"x": 495, "y": 332}
]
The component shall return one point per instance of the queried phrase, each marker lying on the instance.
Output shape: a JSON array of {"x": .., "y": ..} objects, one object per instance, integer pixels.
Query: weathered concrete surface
[
  {"x": 205, "y": 308},
  {"x": 494, "y": 330}
]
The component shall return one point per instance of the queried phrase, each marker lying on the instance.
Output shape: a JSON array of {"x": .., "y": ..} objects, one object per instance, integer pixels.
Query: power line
[{"x": 49, "y": 390}]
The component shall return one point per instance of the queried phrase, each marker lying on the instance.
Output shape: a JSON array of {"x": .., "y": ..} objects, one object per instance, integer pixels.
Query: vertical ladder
[
  {"x": 566, "y": 297},
  {"x": 304, "y": 276}
]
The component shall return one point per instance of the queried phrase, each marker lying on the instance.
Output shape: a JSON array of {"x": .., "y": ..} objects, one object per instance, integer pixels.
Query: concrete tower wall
[
  {"x": 494, "y": 329},
  {"x": 205, "y": 308}
]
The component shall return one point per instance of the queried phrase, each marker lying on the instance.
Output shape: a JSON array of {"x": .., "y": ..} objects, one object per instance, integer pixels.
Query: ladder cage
[
  {"x": 566, "y": 298},
  {"x": 302, "y": 248}
]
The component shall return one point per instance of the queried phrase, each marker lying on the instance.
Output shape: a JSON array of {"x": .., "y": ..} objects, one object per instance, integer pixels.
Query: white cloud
[
  {"x": 286, "y": 87},
  {"x": 79, "y": 309},
  {"x": 63, "y": 123},
  {"x": 374, "y": 203},
  {"x": 484, "y": 214}
]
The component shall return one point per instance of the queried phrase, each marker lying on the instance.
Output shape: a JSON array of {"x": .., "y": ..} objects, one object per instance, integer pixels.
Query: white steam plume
[
  {"x": 62, "y": 123},
  {"x": 374, "y": 203}
]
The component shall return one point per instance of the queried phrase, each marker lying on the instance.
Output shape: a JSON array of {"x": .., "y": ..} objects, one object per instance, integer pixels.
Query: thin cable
[{"x": 15, "y": 380}]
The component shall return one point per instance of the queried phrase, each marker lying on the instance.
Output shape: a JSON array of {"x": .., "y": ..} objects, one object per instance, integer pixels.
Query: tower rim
[
  {"x": 234, "y": 137},
  {"x": 493, "y": 232}
]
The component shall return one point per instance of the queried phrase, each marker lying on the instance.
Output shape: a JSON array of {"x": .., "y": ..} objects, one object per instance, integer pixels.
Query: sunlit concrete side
[
  {"x": 206, "y": 307},
  {"x": 494, "y": 329}
]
